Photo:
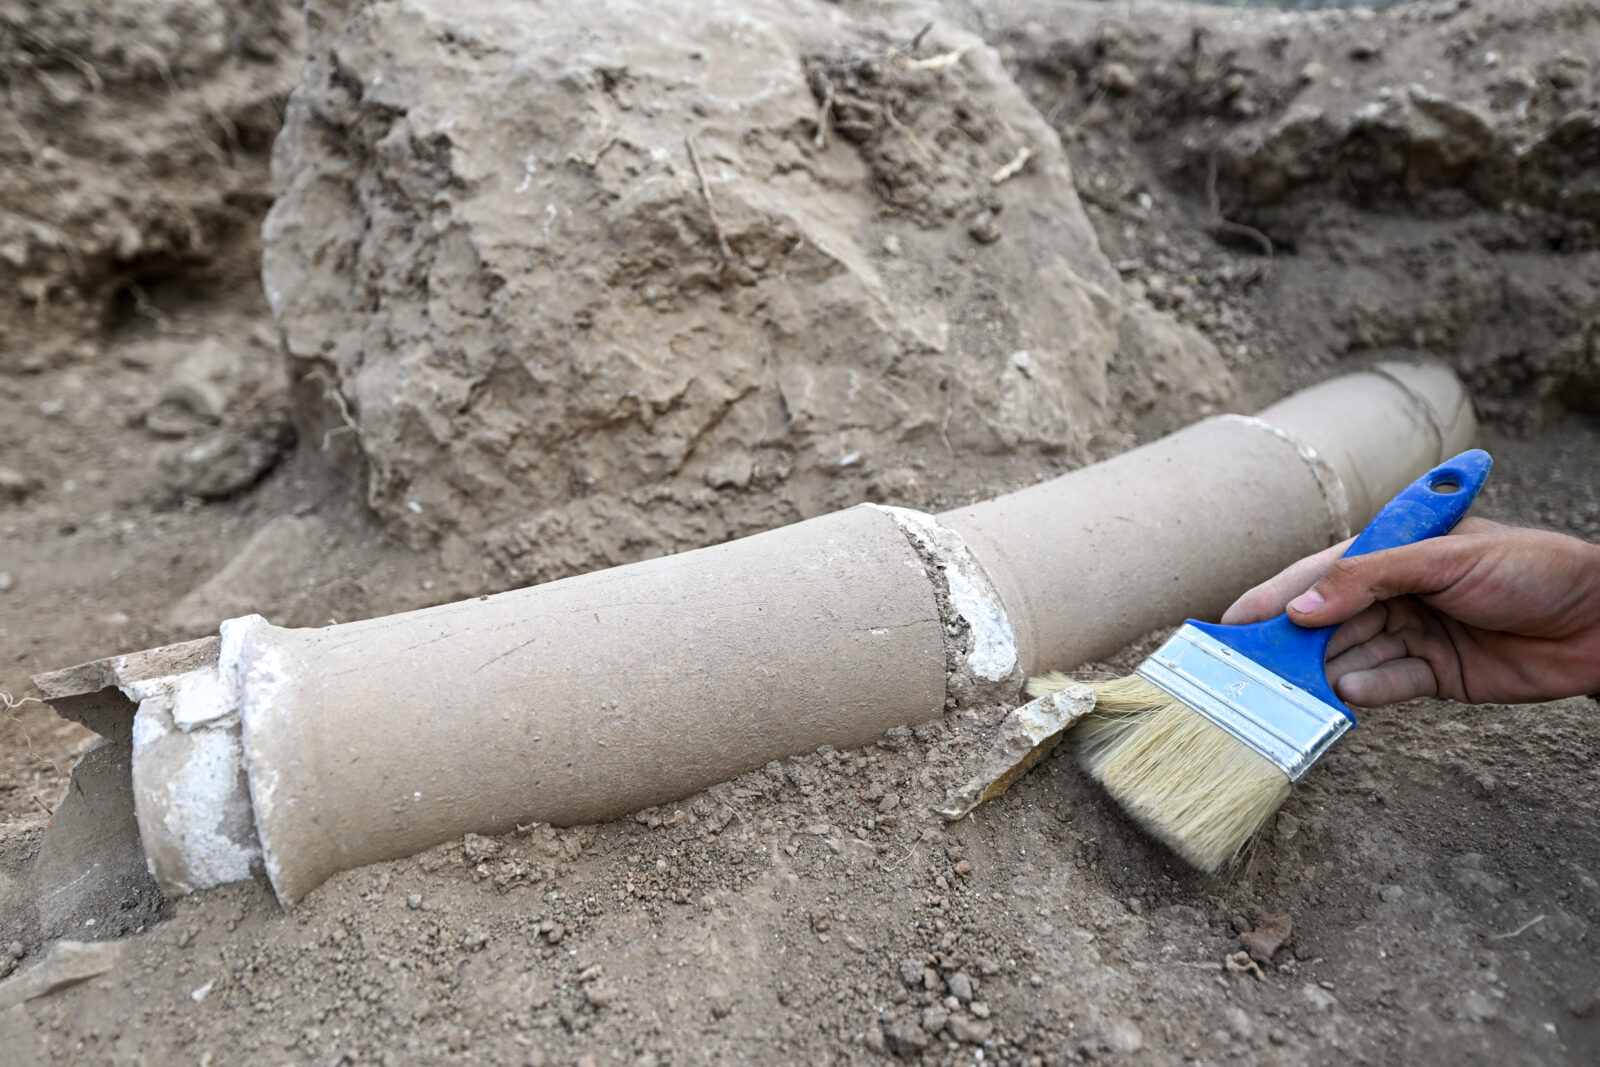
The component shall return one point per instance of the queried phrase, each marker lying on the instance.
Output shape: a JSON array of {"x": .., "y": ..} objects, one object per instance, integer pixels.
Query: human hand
[{"x": 1485, "y": 614}]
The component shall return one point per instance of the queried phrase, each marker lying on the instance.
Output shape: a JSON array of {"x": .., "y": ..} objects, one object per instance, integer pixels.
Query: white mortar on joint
[
  {"x": 261, "y": 677},
  {"x": 1328, "y": 480},
  {"x": 205, "y": 795},
  {"x": 993, "y": 657}
]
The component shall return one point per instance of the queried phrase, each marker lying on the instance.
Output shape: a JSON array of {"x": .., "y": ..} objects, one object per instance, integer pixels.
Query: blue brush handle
[{"x": 1428, "y": 507}]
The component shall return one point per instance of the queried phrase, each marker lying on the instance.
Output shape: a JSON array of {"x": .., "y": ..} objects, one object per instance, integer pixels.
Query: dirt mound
[
  {"x": 1428, "y": 180},
  {"x": 133, "y": 157},
  {"x": 601, "y": 283}
]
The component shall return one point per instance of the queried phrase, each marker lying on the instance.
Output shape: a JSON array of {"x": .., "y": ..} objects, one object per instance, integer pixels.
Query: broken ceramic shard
[
  {"x": 67, "y": 963},
  {"x": 1026, "y": 736}
]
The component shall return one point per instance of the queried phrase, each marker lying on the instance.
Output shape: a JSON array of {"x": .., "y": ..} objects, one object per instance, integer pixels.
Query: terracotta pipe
[
  {"x": 312, "y": 751},
  {"x": 1090, "y": 561}
]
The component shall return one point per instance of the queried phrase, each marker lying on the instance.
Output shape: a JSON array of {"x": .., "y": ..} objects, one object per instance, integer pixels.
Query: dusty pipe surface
[
  {"x": 1090, "y": 561},
  {"x": 583, "y": 699},
  {"x": 307, "y": 752}
]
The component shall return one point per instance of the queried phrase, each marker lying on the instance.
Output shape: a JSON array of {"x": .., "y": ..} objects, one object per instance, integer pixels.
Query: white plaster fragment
[
  {"x": 142, "y": 690},
  {"x": 263, "y": 676},
  {"x": 1047, "y": 716},
  {"x": 199, "y": 800},
  {"x": 149, "y": 729},
  {"x": 994, "y": 643},
  {"x": 203, "y": 698},
  {"x": 188, "y": 724}
]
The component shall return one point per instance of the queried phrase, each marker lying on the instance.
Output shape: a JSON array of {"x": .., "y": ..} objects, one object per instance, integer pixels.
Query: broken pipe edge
[{"x": 191, "y": 796}]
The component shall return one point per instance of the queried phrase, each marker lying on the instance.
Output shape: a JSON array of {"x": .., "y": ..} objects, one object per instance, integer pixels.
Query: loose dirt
[{"x": 1433, "y": 886}]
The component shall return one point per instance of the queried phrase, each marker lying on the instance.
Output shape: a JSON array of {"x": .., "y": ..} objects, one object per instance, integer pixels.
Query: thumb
[{"x": 1355, "y": 582}]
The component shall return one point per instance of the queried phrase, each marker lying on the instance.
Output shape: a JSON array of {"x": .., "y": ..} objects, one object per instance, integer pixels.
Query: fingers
[
  {"x": 1361, "y": 628},
  {"x": 1392, "y": 652},
  {"x": 1268, "y": 598},
  {"x": 1367, "y": 655},
  {"x": 1389, "y": 683},
  {"x": 1351, "y": 585},
  {"x": 1272, "y": 596}
]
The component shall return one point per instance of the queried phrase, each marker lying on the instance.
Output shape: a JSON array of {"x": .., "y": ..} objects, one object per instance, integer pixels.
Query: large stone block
[{"x": 589, "y": 278}]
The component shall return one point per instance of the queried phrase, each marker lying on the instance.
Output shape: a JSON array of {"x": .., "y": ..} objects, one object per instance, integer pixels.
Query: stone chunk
[
  {"x": 1270, "y": 934},
  {"x": 66, "y": 964},
  {"x": 969, "y": 1031},
  {"x": 558, "y": 327}
]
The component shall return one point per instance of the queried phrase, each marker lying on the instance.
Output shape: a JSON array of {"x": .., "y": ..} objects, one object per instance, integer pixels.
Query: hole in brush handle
[{"x": 1429, "y": 506}]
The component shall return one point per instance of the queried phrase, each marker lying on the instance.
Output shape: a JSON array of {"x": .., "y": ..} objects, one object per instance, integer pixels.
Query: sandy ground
[{"x": 1439, "y": 868}]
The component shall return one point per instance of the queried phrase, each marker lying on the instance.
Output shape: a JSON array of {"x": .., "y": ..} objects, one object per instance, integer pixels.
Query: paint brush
[{"x": 1201, "y": 745}]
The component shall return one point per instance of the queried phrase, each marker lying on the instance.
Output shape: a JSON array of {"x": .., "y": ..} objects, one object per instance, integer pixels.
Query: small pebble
[
  {"x": 911, "y": 971},
  {"x": 875, "y": 1042},
  {"x": 414, "y": 901},
  {"x": 985, "y": 229},
  {"x": 1585, "y": 1005},
  {"x": 1118, "y": 78},
  {"x": 905, "y": 1038},
  {"x": 969, "y": 1031},
  {"x": 17, "y": 486}
]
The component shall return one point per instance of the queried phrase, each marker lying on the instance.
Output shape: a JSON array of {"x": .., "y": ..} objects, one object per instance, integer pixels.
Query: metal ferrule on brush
[{"x": 1281, "y": 721}]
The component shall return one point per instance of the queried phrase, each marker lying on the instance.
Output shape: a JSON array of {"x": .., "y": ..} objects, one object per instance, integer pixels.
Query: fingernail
[{"x": 1306, "y": 602}]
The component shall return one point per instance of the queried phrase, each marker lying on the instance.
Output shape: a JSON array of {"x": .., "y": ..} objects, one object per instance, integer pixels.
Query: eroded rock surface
[{"x": 594, "y": 283}]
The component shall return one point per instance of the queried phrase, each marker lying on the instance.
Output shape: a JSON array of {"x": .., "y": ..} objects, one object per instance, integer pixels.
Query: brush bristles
[{"x": 1187, "y": 781}]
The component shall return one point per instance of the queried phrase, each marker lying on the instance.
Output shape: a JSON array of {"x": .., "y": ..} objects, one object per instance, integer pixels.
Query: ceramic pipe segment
[{"x": 305, "y": 752}]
